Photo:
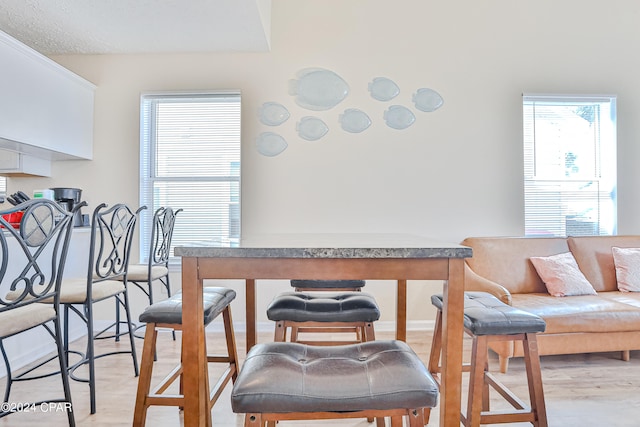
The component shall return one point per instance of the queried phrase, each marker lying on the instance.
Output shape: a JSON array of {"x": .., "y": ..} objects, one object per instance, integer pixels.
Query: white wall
[{"x": 455, "y": 173}]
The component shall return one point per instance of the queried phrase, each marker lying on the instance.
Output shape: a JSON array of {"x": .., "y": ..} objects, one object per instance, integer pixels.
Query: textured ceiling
[{"x": 138, "y": 26}]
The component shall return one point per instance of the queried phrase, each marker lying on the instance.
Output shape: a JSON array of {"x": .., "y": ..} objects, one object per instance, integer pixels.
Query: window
[
  {"x": 190, "y": 160},
  {"x": 569, "y": 165}
]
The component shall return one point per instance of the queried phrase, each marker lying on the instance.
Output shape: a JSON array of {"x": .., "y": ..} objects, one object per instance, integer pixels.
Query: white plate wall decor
[
  {"x": 354, "y": 120},
  {"x": 427, "y": 100},
  {"x": 273, "y": 114},
  {"x": 311, "y": 128},
  {"x": 270, "y": 144},
  {"x": 318, "y": 89},
  {"x": 383, "y": 89},
  {"x": 398, "y": 117}
]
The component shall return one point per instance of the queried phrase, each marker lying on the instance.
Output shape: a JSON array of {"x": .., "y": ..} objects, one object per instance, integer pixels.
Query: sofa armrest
[{"x": 475, "y": 282}]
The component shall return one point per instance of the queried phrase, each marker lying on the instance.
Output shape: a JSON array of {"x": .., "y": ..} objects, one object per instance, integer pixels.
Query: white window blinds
[
  {"x": 569, "y": 165},
  {"x": 190, "y": 160}
]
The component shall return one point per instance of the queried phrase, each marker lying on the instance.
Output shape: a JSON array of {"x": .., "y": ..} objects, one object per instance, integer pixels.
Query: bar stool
[
  {"x": 292, "y": 381},
  {"x": 486, "y": 319},
  {"x": 168, "y": 314},
  {"x": 324, "y": 306}
]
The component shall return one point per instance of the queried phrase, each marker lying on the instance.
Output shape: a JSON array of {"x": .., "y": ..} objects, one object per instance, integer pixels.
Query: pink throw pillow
[
  {"x": 562, "y": 276},
  {"x": 627, "y": 262}
]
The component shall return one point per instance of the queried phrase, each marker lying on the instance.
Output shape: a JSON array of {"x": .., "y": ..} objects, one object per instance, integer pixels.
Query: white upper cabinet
[{"x": 46, "y": 111}]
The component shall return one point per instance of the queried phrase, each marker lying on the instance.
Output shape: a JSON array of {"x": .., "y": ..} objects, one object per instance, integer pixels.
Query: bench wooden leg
[
  {"x": 534, "y": 377},
  {"x": 144, "y": 380},
  {"x": 479, "y": 354}
]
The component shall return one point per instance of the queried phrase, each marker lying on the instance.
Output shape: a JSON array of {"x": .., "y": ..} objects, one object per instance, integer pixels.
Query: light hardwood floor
[{"x": 587, "y": 390}]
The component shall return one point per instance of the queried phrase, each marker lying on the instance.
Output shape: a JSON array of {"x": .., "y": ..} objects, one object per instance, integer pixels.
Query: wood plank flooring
[{"x": 585, "y": 390}]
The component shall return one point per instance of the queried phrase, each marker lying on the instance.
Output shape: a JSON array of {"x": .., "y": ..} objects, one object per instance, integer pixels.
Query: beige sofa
[{"x": 608, "y": 321}]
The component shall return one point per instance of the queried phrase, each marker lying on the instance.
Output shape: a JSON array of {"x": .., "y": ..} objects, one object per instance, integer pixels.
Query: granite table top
[{"x": 325, "y": 245}]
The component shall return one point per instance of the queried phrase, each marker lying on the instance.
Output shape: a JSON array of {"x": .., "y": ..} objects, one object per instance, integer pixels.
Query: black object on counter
[{"x": 69, "y": 198}]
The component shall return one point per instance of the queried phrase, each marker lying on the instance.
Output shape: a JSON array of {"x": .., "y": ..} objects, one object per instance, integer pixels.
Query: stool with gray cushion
[
  {"x": 292, "y": 381},
  {"x": 335, "y": 306},
  {"x": 168, "y": 314},
  {"x": 486, "y": 318}
]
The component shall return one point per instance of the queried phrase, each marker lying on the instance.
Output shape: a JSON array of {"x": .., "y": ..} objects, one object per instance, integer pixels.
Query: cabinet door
[{"x": 43, "y": 105}]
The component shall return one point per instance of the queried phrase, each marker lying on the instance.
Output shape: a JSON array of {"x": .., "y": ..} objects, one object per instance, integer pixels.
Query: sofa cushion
[
  {"x": 629, "y": 298},
  {"x": 585, "y": 313},
  {"x": 561, "y": 275},
  {"x": 627, "y": 263},
  {"x": 594, "y": 257}
]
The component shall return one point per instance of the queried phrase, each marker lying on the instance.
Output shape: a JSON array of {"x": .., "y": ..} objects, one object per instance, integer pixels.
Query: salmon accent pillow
[
  {"x": 562, "y": 276},
  {"x": 627, "y": 262}
]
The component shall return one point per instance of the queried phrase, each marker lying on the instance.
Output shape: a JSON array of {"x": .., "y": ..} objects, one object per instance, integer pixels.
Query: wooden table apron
[{"x": 197, "y": 269}]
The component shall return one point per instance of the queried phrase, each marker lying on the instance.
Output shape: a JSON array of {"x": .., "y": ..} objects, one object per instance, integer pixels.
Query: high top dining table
[{"x": 398, "y": 257}]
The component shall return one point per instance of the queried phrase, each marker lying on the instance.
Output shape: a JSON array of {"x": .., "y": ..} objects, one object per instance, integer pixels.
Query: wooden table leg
[
  {"x": 401, "y": 311},
  {"x": 452, "y": 332},
  {"x": 194, "y": 360},
  {"x": 250, "y": 302}
]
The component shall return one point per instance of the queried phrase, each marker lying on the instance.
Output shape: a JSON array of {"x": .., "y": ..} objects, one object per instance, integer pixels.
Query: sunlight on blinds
[
  {"x": 190, "y": 160},
  {"x": 569, "y": 165}
]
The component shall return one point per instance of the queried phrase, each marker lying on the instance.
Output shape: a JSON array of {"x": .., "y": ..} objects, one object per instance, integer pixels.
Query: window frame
[
  {"x": 570, "y": 184},
  {"x": 148, "y": 161}
]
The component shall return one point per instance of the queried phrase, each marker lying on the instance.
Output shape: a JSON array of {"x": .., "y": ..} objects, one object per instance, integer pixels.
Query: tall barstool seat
[
  {"x": 168, "y": 314},
  {"x": 486, "y": 319},
  {"x": 332, "y": 306},
  {"x": 292, "y": 381}
]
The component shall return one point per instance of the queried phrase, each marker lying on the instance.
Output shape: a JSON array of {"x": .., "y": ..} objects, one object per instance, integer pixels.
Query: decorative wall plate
[
  {"x": 273, "y": 114},
  {"x": 270, "y": 144},
  {"x": 383, "y": 89},
  {"x": 311, "y": 128},
  {"x": 318, "y": 89},
  {"x": 399, "y": 117},
  {"x": 427, "y": 100},
  {"x": 354, "y": 120}
]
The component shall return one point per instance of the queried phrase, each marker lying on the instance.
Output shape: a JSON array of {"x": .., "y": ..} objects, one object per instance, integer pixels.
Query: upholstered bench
[
  {"x": 292, "y": 381},
  {"x": 168, "y": 314},
  {"x": 486, "y": 318},
  {"x": 324, "y": 311}
]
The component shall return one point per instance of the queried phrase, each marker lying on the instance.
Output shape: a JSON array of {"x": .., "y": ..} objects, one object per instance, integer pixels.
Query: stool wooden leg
[
  {"x": 426, "y": 414},
  {"x": 416, "y": 417},
  {"x": 231, "y": 342},
  {"x": 280, "y": 332},
  {"x": 144, "y": 380},
  {"x": 396, "y": 421},
  {"x": 253, "y": 420},
  {"x": 534, "y": 377},
  {"x": 368, "y": 332},
  {"x": 476, "y": 380},
  {"x": 485, "y": 389},
  {"x": 204, "y": 371},
  {"x": 436, "y": 346}
]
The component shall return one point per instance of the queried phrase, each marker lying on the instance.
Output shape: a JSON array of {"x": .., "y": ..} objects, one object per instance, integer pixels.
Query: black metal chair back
[
  {"x": 34, "y": 242},
  {"x": 112, "y": 232},
  {"x": 164, "y": 220}
]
